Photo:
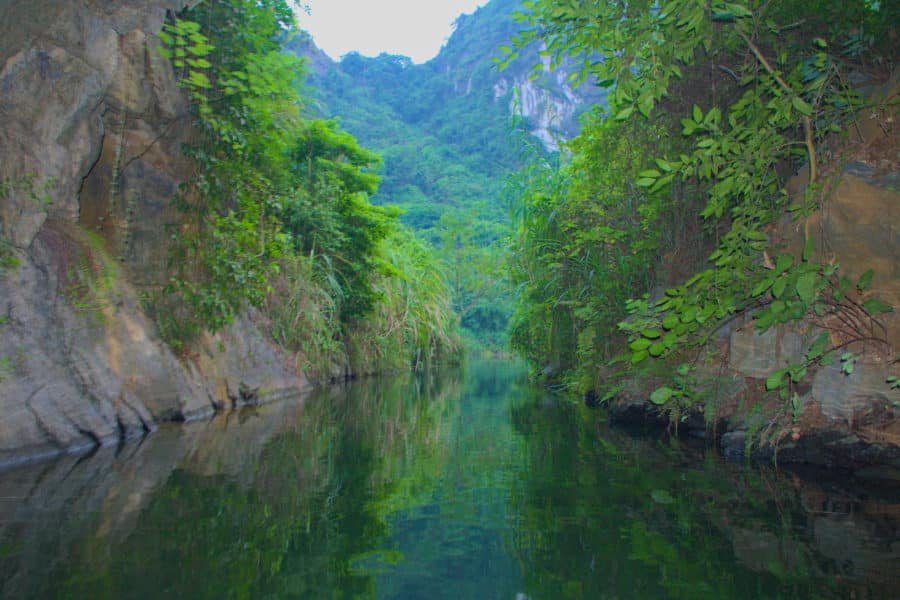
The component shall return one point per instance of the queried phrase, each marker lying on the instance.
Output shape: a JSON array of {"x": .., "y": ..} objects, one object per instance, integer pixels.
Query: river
[{"x": 459, "y": 484}]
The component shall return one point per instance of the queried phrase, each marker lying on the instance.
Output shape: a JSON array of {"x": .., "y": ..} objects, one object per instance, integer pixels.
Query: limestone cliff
[
  {"x": 93, "y": 122},
  {"x": 546, "y": 100}
]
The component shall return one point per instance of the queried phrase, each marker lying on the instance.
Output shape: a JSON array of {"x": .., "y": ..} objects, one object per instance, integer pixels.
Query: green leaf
[
  {"x": 783, "y": 263},
  {"x": 199, "y": 63},
  {"x": 639, "y": 344},
  {"x": 723, "y": 16},
  {"x": 806, "y": 287},
  {"x": 797, "y": 372},
  {"x": 645, "y": 105},
  {"x": 661, "y": 183},
  {"x": 624, "y": 113},
  {"x": 650, "y": 333},
  {"x": 669, "y": 322},
  {"x": 738, "y": 10},
  {"x": 662, "y": 497},
  {"x": 778, "y": 287},
  {"x": 689, "y": 314},
  {"x": 775, "y": 380},
  {"x": 698, "y": 114},
  {"x": 670, "y": 339},
  {"x": 657, "y": 349},
  {"x": 199, "y": 80},
  {"x": 807, "y": 249},
  {"x": 817, "y": 348},
  {"x": 762, "y": 286},
  {"x": 865, "y": 280},
  {"x": 876, "y": 306},
  {"x": 801, "y": 105},
  {"x": 661, "y": 395}
]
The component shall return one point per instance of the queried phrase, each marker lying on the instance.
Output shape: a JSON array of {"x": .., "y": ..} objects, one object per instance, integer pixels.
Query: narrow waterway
[{"x": 459, "y": 484}]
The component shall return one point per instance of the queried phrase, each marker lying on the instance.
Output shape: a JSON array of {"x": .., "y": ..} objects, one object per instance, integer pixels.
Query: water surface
[{"x": 453, "y": 485}]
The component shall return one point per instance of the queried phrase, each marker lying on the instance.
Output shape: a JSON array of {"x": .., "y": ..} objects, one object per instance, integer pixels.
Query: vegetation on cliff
[
  {"x": 451, "y": 132},
  {"x": 278, "y": 216},
  {"x": 659, "y": 229}
]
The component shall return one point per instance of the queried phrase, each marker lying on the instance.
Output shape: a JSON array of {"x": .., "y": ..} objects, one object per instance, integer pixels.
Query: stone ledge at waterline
[
  {"x": 93, "y": 122},
  {"x": 90, "y": 369}
]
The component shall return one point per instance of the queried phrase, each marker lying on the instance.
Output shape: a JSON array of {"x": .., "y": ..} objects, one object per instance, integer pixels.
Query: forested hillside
[{"x": 451, "y": 132}]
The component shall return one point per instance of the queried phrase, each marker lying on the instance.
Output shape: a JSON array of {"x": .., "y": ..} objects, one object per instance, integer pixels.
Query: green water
[{"x": 457, "y": 485}]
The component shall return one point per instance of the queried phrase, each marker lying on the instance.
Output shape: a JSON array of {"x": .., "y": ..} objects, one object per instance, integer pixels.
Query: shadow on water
[{"x": 448, "y": 485}]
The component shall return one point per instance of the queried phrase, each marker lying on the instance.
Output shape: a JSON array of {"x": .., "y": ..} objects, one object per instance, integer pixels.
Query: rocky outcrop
[
  {"x": 89, "y": 162},
  {"x": 549, "y": 104},
  {"x": 847, "y": 418},
  {"x": 842, "y": 417}
]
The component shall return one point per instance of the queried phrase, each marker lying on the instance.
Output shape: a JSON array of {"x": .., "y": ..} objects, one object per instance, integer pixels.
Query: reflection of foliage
[
  {"x": 626, "y": 524},
  {"x": 305, "y": 525},
  {"x": 396, "y": 487}
]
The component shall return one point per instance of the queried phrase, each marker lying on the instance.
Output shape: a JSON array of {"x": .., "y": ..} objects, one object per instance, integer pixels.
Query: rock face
[
  {"x": 755, "y": 354},
  {"x": 547, "y": 101},
  {"x": 93, "y": 122},
  {"x": 847, "y": 418},
  {"x": 549, "y": 105}
]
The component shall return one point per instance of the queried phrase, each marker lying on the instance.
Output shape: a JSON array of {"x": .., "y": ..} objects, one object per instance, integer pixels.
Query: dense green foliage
[
  {"x": 449, "y": 143},
  {"x": 662, "y": 219},
  {"x": 278, "y": 213},
  {"x": 446, "y": 140}
]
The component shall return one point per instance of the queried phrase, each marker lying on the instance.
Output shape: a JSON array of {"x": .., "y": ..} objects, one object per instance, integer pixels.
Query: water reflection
[{"x": 449, "y": 485}]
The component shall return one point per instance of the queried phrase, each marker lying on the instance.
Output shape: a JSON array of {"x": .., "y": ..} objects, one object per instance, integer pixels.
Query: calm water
[{"x": 458, "y": 485}]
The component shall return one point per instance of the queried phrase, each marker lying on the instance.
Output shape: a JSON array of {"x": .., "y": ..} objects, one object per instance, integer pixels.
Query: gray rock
[
  {"x": 96, "y": 163},
  {"x": 755, "y": 354},
  {"x": 848, "y": 398},
  {"x": 732, "y": 444}
]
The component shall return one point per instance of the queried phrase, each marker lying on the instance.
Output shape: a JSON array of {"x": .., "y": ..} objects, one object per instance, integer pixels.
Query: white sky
[{"x": 413, "y": 28}]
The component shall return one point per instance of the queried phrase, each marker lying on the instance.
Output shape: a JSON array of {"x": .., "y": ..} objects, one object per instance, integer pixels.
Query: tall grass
[{"x": 412, "y": 324}]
